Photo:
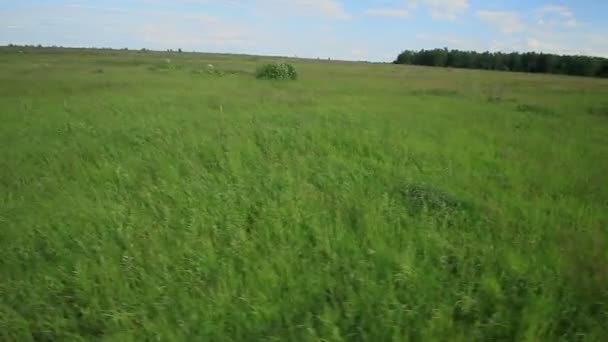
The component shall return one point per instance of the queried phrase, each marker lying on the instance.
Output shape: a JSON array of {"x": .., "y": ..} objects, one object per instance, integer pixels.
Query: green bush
[{"x": 277, "y": 71}]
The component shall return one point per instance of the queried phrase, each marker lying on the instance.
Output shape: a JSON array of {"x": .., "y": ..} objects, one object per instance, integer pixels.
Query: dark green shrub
[{"x": 277, "y": 71}]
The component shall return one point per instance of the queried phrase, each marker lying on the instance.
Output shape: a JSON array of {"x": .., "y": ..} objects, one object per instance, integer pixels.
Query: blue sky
[{"x": 375, "y": 30}]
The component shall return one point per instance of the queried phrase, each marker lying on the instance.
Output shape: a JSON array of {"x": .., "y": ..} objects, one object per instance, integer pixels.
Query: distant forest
[{"x": 523, "y": 62}]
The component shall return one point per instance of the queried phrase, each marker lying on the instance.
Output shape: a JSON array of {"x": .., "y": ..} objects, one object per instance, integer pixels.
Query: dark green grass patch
[
  {"x": 166, "y": 65},
  {"x": 436, "y": 92},
  {"x": 419, "y": 197},
  {"x": 600, "y": 109},
  {"x": 535, "y": 109}
]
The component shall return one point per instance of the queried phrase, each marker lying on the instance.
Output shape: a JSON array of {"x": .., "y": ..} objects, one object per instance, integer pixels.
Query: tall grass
[{"x": 363, "y": 202}]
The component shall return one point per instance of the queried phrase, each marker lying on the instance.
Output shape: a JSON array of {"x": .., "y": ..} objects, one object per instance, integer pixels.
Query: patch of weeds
[
  {"x": 119, "y": 62},
  {"x": 435, "y": 92},
  {"x": 524, "y": 125},
  {"x": 466, "y": 310},
  {"x": 584, "y": 275},
  {"x": 277, "y": 71},
  {"x": 300, "y": 101},
  {"x": 98, "y": 71},
  {"x": 494, "y": 99},
  {"x": 215, "y": 103},
  {"x": 494, "y": 94},
  {"x": 598, "y": 109},
  {"x": 165, "y": 66},
  {"x": 237, "y": 72},
  {"x": 585, "y": 264},
  {"x": 212, "y": 71},
  {"x": 417, "y": 197},
  {"x": 528, "y": 108}
]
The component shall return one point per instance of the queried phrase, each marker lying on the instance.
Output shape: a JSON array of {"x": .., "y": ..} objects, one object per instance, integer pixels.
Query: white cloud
[
  {"x": 571, "y": 23},
  {"x": 326, "y": 8},
  {"x": 451, "y": 41},
  {"x": 560, "y": 10},
  {"x": 556, "y": 16},
  {"x": 537, "y": 45},
  {"x": 193, "y": 32},
  {"x": 388, "y": 12},
  {"x": 397, "y": 10},
  {"x": 442, "y": 39},
  {"x": 504, "y": 21},
  {"x": 439, "y": 9},
  {"x": 359, "y": 53},
  {"x": 558, "y": 43},
  {"x": 134, "y": 28},
  {"x": 567, "y": 43},
  {"x": 230, "y": 3},
  {"x": 446, "y": 9}
]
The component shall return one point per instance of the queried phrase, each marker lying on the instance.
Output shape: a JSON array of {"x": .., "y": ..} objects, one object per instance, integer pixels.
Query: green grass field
[{"x": 146, "y": 200}]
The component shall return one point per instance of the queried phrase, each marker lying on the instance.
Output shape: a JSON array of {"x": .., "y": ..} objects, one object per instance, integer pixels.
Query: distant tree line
[
  {"x": 179, "y": 50},
  {"x": 515, "y": 61}
]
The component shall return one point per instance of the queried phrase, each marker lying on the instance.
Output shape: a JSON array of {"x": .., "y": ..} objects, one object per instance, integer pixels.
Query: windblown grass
[{"x": 361, "y": 202}]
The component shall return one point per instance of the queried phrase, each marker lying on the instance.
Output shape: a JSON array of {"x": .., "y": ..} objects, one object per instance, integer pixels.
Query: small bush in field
[{"x": 277, "y": 71}]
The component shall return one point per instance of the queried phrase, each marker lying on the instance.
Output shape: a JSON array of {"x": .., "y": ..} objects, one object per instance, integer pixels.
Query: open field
[{"x": 146, "y": 200}]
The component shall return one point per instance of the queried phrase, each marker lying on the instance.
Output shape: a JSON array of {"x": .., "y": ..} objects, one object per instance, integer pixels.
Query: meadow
[{"x": 146, "y": 196}]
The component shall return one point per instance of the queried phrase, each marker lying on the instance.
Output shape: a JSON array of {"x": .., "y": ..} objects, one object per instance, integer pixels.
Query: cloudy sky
[{"x": 375, "y": 30}]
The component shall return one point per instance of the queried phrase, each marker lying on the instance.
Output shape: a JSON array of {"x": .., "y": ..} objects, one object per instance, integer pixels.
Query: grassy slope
[{"x": 363, "y": 201}]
